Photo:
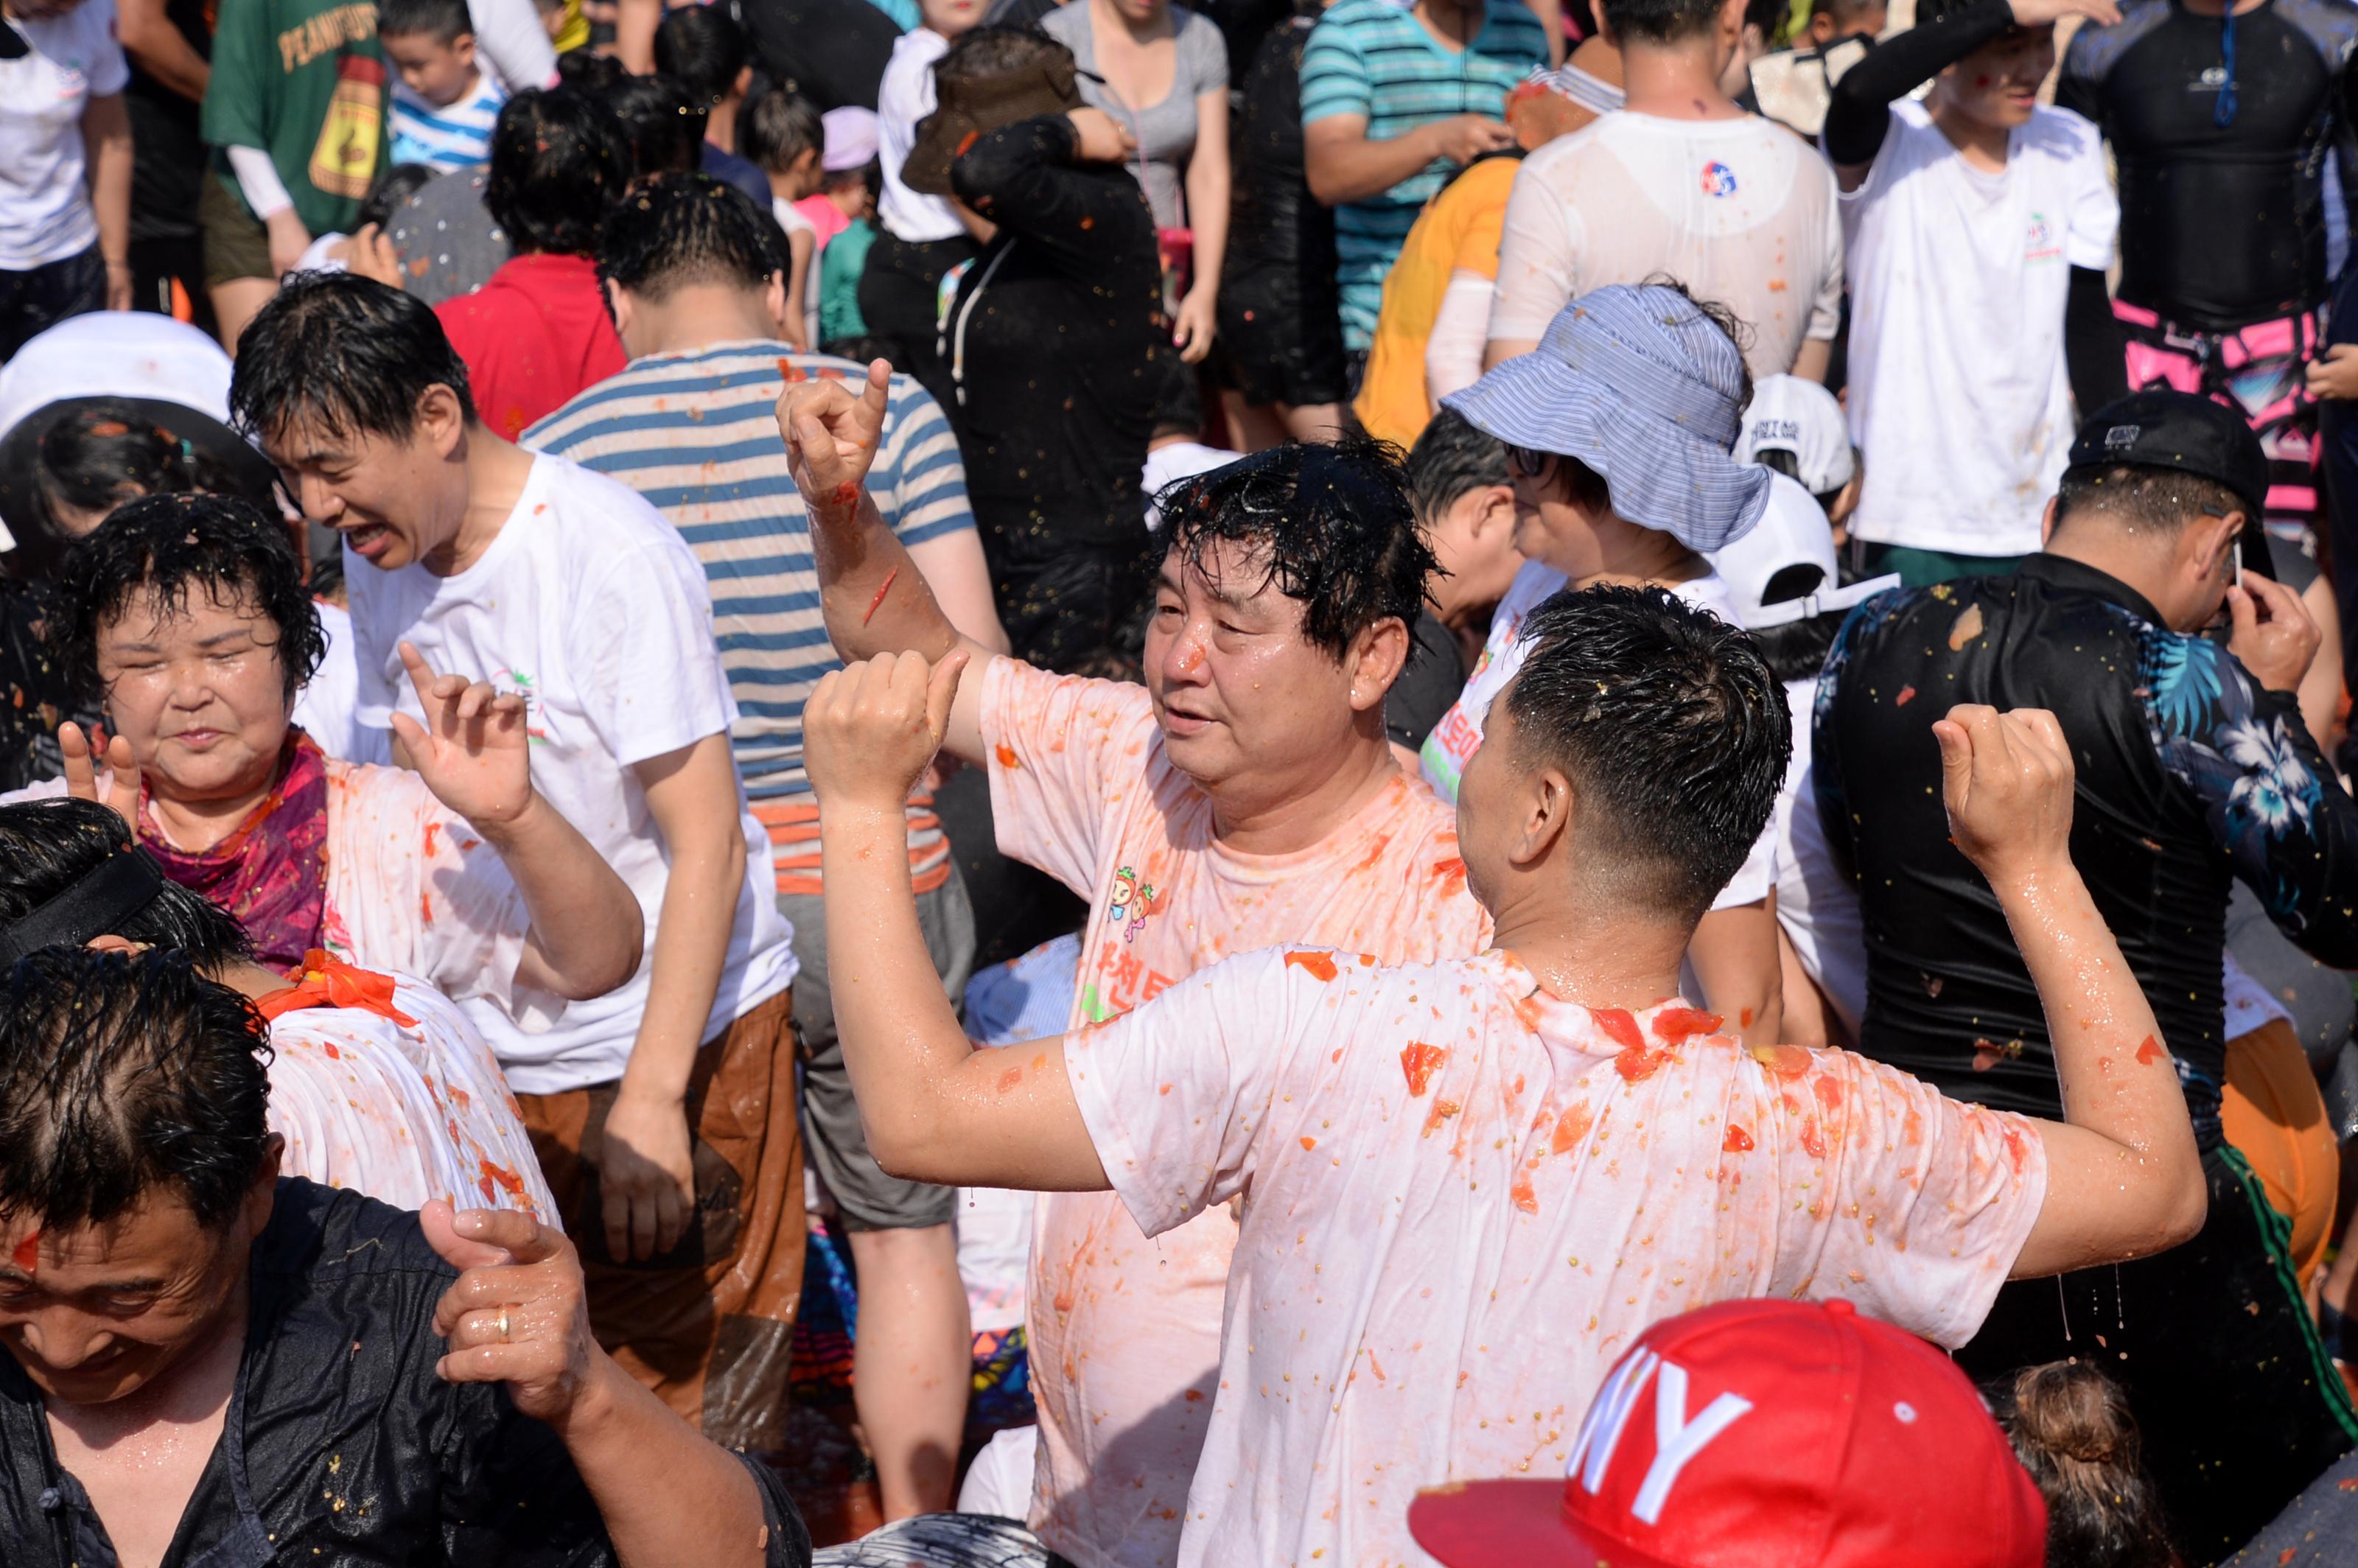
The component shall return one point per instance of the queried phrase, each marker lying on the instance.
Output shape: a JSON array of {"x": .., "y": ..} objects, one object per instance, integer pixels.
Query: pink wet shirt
[
  {"x": 1462, "y": 1199},
  {"x": 1125, "y": 1333}
]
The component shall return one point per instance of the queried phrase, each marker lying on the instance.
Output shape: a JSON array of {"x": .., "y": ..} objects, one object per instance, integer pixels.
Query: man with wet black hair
[
  {"x": 1466, "y": 1184},
  {"x": 206, "y": 1361},
  {"x": 1246, "y": 794}
]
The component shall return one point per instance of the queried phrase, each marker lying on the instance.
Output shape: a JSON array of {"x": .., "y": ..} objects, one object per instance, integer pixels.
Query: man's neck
[
  {"x": 699, "y": 316},
  {"x": 1985, "y": 147},
  {"x": 720, "y": 125},
  {"x": 1454, "y": 23},
  {"x": 497, "y": 471},
  {"x": 1592, "y": 951},
  {"x": 2126, "y": 561},
  {"x": 1675, "y": 81},
  {"x": 1260, "y": 824}
]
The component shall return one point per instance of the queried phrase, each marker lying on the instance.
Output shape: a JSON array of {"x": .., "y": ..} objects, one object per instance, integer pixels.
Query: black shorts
[{"x": 1278, "y": 350}]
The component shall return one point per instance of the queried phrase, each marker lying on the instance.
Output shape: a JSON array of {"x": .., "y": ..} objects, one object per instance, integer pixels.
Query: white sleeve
[
  {"x": 646, "y": 639},
  {"x": 258, "y": 179},
  {"x": 1825, "y": 309},
  {"x": 2095, "y": 210},
  {"x": 510, "y": 42},
  {"x": 109, "y": 71},
  {"x": 1453, "y": 353}
]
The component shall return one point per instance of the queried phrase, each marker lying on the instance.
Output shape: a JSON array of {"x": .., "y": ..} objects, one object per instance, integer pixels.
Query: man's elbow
[
  {"x": 907, "y": 1147},
  {"x": 617, "y": 959}
]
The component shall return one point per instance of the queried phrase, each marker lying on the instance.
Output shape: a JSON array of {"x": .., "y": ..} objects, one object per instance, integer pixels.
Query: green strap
[{"x": 2275, "y": 1232}]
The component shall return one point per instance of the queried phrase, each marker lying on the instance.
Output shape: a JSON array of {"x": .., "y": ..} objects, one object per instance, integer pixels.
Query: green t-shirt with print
[{"x": 305, "y": 82}]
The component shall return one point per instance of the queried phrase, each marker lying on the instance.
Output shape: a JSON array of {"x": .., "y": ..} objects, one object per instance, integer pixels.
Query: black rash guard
[{"x": 2223, "y": 202}]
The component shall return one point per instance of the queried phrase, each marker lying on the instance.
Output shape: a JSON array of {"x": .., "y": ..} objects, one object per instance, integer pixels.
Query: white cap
[
  {"x": 1789, "y": 414},
  {"x": 850, "y": 139},
  {"x": 1783, "y": 570}
]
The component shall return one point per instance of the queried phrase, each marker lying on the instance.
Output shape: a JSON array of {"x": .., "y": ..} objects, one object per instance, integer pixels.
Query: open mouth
[{"x": 369, "y": 540}]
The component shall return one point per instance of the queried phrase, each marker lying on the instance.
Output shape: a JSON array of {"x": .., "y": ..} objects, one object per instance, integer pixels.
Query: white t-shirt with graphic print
[
  {"x": 1462, "y": 1200},
  {"x": 1959, "y": 401}
]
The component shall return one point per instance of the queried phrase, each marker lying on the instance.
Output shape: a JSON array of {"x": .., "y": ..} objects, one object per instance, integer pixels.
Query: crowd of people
[{"x": 1478, "y": 782}]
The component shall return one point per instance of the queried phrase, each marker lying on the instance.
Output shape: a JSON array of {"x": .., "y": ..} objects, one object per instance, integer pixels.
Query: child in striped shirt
[{"x": 443, "y": 107}]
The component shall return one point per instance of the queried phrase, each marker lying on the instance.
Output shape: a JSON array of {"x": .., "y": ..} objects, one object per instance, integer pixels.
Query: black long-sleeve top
[{"x": 1057, "y": 341}]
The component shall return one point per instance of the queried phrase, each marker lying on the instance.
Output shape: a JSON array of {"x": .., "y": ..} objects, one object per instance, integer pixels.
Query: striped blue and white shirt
[
  {"x": 451, "y": 135},
  {"x": 1375, "y": 60},
  {"x": 697, "y": 435}
]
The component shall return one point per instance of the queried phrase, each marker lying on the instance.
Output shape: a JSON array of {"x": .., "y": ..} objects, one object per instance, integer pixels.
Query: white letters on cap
[{"x": 1676, "y": 1439}]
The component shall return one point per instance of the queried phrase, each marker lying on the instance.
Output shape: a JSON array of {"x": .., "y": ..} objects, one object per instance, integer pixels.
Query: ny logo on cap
[
  {"x": 2122, "y": 436},
  {"x": 1676, "y": 1439}
]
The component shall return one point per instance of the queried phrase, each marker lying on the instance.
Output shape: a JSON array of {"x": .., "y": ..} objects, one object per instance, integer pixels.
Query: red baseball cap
[{"x": 1762, "y": 1434}]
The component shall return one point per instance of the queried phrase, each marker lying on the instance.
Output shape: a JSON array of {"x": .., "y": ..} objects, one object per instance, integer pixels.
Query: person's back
[
  {"x": 1680, "y": 183},
  {"x": 2193, "y": 772}
]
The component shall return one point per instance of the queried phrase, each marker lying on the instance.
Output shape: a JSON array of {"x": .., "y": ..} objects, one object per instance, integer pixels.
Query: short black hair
[
  {"x": 704, "y": 50},
  {"x": 586, "y": 70},
  {"x": 680, "y": 229},
  {"x": 447, "y": 20},
  {"x": 121, "y": 1075},
  {"x": 345, "y": 352},
  {"x": 48, "y": 846},
  {"x": 663, "y": 125},
  {"x": 1331, "y": 524},
  {"x": 393, "y": 187},
  {"x": 778, "y": 126},
  {"x": 231, "y": 550},
  {"x": 1659, "y": 21},
  {"x": 100, "y": 456},
  {"x": 560, "y": 162},
  {"x": 2155, "y": 501},
  {"x": 1450, "y": 458},
  {"x": 1672, "y": 729}
]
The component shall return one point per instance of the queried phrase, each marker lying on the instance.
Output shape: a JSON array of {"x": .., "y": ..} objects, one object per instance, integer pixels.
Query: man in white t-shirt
[
  {"x": 65, "y": 166},
  {"x": 1463, "y": 1187},
  {"x": 1980, "y": 223},
  {"x": 664, "y": 1112},
  {"x": 920, "y": 237},
  {"x": 1681, "y": 183}
]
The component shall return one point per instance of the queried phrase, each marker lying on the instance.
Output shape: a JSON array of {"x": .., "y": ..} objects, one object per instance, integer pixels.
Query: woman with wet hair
[{"x": 2070, "y": 1427}]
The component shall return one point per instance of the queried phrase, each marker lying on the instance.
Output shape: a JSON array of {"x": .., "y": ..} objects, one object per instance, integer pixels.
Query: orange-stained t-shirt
[
  {"x": 1459, "y": 230},
  {"x": 1124, "y": 1332}
]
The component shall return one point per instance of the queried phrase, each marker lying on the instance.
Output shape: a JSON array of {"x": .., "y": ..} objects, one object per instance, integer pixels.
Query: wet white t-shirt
[
  {"x": 591, "y": 608},
  {"x": 1462, "y": 1199},
  {"x": 1742, "y": 211}
]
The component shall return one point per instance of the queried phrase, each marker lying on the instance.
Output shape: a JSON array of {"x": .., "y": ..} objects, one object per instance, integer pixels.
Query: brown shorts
[
  {"x": 709, "y": 1326},
  {"x": 236, "y": 244}
]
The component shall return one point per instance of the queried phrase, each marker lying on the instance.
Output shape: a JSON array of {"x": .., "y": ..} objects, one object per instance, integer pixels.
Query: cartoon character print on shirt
[
  {"x": 520, "y": 683},
  {"x": 1132, "y": 901},
  {"x": 1718, "y": 180}
]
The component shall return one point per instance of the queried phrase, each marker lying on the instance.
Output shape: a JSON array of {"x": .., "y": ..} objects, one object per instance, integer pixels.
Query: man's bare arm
[
  {"x": 2124, "y": 1179},
  {"x": 874, "y": 598},
  {"x": 936, "y": 1109}
]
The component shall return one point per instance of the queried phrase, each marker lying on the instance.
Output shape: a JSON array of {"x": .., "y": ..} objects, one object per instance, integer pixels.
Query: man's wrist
[
  {"x": 502, "y": 832},
  {"x": 590, "y": 1413}
]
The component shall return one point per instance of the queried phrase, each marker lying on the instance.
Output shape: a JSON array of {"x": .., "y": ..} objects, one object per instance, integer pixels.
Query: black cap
[{"x": 2177, "y": 430}]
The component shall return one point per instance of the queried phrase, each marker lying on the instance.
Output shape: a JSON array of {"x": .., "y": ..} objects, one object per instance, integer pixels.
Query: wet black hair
[
  {"x": 447, "y": 20},
  {"x": 122, "y": 1076},
  {"x": 778, "y": 126},
  {"x": 393, "y": 187},
  {"x": 680, "y": 229},
  {"x": 346, "y": 353},
  {"x": 1674, "y": 733},
  {"x": 559, "y": 161},
  {"x": 663, "y": 125},
  {"x": 1659, "y": 21},
  {"x": 2071, "y": 1426},
  {"x": 586, "y": 70},
  {"x": 227, "y": 549},
  {"x": 97, "y": 457},
  {"x": 701, "y": 49},
  {"x": 1450, "y": 458},
  {"x": 1331, "y": 525},
  {"x": 47, "y": 846},
  {"x": 2154, "y": 501}
]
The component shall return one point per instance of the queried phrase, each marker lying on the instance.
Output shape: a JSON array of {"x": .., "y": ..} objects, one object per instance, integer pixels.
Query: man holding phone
[{"x": 2194, "y": 770}]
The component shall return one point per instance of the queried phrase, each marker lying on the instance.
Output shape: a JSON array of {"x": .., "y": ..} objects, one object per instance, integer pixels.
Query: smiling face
[
  {"x": 1997, "y": 85},
  {"x": 395, "y": 501},
  {"x": 198, "y": 691},
  {"x": 95, "y": 1312},
  {"x": 1238, "y": 687}
]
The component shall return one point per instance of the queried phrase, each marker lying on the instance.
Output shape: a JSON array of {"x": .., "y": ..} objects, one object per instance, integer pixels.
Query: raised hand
[
  {"x": 2275, "y": 636},
  {"x": 871, "y": 728},
  {"x": 121, "y": 790},
  {"x": 831, "y": 433},
  {"x": 2006, "y": 781},
  {"x": 516, "y": 1314},
  {"x": 472, "y": 750}
]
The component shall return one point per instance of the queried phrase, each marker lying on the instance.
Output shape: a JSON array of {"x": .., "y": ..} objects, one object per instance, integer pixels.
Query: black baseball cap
[{"x": 2177, "y": 430}]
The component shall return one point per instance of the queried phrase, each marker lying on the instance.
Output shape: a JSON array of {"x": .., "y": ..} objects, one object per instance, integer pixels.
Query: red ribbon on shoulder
[{"x": 331, "y": 982}]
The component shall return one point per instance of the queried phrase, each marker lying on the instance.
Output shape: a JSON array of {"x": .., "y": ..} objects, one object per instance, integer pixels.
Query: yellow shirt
[{"x": 1459, "y": 228}]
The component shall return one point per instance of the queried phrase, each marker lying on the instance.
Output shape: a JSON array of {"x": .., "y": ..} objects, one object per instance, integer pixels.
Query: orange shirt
[
  {"x": 1459, "y": 228},
  {"x": 1125, "y": 1333}
]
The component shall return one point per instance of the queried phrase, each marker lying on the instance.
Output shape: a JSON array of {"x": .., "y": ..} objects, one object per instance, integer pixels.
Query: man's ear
[
  {"x": 773, "y": 297},
  {"x": 1496, "y": 509},
  {"x": 2210, "y": 543},
  {"x": 1377, "y": 655},
  {"x": 2046, "y": 522},
  {"x": 439, "y": 420},
  {"x": 263, "y": 1195},
  {"x": 463, "y": 46},
  {"x": 1547, "y": 808}
]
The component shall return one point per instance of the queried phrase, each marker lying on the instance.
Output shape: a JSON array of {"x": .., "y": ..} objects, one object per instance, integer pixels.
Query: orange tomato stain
[
  {"x": 2149, "y": 1050},
  {"x": 1418, "y": 1062},
  {"x": 1308, "y": 1144},
  {"x": 1007, "y": 757},
  {"x": 1317, "y": 965},
  {"x": 1618, "y": 1025},
  {"x": 1571, "y": 1128},
  {"x": 1637, "y": 1067},
  {"x": 1525, "y": 1199},
  {"x": 1785, "y": 1061},
  {"x": 1443, "y": 1109},
  {"x": 1010, "y": 1078},
  {"x": 1677, "y": 1023},
  {"x": 790, "y": 372},
  {"x": 1814, "y": 1141},
  {"x": 1907, "y": 695},
  {"x": 1737, "y": 1140},
  {"x": 28, "y": 1252},
  {"x": 432, "y": 828},
  {"x": 1829, "y": 1092},
  {"x": 509, "y": 1181}
]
